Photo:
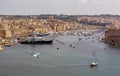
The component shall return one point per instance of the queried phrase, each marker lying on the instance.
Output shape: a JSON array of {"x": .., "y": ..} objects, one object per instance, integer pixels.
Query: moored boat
[
  {"x": 37, "y": 42},
  {"x": 37, "y": 39}
]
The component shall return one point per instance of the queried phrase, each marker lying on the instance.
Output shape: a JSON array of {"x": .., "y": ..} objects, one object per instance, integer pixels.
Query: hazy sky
[{"x": 69, "y": 7}]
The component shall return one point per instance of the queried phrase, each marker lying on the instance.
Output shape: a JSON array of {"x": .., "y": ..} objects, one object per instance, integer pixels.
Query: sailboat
[{"x": 94, "y": 63}]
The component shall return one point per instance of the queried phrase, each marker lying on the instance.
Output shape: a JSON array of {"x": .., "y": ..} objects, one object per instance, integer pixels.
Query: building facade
[
  {"x": 5, "y": 32},
  {"x": 112, "y": 36}
]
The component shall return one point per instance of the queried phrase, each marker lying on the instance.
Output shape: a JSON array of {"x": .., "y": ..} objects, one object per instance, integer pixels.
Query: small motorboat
[
  {"x": 93, "y": 64},
  {"x": 36, "y": 55}
]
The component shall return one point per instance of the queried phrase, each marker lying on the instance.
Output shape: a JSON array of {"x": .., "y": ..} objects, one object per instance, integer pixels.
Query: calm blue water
[{"x": 66, "y": 61}]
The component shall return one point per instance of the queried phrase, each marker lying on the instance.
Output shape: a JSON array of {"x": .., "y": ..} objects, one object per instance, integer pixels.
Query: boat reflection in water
[{"x": 37, "y": 39}]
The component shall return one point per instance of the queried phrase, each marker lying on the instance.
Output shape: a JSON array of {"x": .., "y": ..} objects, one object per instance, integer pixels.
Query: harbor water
[{"x": 61, "y": 59}]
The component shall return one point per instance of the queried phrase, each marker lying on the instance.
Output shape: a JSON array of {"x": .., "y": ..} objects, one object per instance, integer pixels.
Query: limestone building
[
  {"x": 4, "y": 31},
  {"x": 112, "y": 36}
]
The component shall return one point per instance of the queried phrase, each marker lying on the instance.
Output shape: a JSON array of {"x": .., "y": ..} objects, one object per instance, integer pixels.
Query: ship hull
[{"x": 37, "y": 42}]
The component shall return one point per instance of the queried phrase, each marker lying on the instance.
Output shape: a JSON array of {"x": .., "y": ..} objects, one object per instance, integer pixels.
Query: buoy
[
  {"x": 57, "y": 48},
  {"x": 70, "y": 45},
  {"x": 73, "y": 46}
]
